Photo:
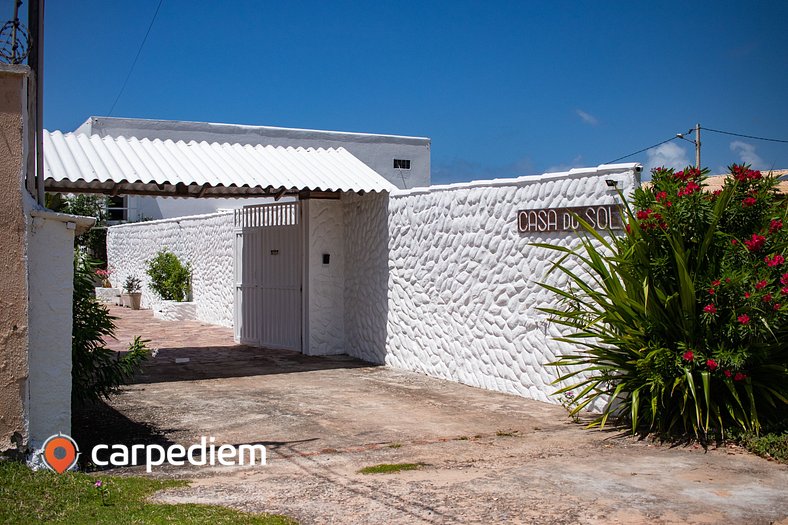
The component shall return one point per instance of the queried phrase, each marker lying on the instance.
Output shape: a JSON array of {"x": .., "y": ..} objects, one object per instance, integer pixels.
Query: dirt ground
[{"x": 487, "y": 457}]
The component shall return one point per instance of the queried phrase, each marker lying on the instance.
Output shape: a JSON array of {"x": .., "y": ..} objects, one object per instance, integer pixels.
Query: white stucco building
[
  {"x": 442, "y": 280},
  {"x": 403, "y": 161}
]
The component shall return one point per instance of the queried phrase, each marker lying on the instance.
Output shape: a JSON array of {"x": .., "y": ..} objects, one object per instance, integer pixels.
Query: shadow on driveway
[{"x": 193, "y": 364}]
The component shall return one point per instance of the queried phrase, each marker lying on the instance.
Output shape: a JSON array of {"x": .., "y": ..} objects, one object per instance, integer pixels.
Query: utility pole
[{"x": 697, "y": 146}]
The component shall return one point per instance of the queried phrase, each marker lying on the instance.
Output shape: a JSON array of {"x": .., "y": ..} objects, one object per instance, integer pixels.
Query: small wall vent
[{"x": 401, "y": 164}]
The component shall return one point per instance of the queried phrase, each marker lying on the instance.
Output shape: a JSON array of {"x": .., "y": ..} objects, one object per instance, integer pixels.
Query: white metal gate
[{"x": 268, "y": 268}]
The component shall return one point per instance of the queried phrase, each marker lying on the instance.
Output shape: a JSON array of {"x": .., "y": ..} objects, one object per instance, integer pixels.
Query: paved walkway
[{"x": 487, "y": 457}]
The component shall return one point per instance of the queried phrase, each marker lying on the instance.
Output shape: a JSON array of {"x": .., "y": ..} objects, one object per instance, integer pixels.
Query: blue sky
[{"x": 502, "y": 88}]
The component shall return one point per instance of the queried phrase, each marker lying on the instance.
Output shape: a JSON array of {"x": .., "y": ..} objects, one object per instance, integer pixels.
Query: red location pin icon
[{"x": 60, "y": 453}]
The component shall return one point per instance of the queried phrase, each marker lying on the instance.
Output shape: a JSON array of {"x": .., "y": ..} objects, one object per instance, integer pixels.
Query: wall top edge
[
  {"x": 110, "y": 125},
  {"x": 83, "y": 224},
  {"x": 173, "y": 219},
  {"x": 574, "y": 173},
  {"x": 14, "y": 69}
]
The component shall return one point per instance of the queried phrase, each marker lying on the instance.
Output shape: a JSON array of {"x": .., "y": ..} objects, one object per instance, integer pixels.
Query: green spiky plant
[
  {"x": 681, "y": 323},
  {"x": 97, "y": 372}
]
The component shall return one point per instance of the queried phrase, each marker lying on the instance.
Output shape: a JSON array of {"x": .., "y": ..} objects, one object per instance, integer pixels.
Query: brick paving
[
  {"x": 210, "y": 350},
  {"x": 166, "y": 334}
]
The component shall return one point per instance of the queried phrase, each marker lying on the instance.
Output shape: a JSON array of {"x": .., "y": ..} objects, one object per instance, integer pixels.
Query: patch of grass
[
  {"x": 506, "y": 433},
  {"x": 44, "y": 496},
  {"x": 461, "y": 438},
  {"x": 390, "y": 468},
  {"x": 395, "y": 445},
  {"x": 774, "y": 445}
]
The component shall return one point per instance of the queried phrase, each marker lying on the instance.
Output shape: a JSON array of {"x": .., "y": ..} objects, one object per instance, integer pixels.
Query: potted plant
[
  {"x": 132, "y": 296},
  {"x": 104, "y": 276}
]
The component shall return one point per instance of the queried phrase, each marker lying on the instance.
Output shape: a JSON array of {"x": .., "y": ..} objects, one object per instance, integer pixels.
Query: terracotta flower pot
[{"x": 134, "y": 300}]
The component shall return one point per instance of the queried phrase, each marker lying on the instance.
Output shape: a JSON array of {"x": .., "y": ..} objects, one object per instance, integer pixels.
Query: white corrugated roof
[{"x": 76, "y": 162}]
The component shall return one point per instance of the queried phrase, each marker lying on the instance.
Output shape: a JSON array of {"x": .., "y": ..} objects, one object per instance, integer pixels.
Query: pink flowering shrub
[{"x": 687, "y": 327}]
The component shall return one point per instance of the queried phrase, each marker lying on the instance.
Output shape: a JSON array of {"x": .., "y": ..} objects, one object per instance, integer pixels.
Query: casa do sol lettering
[{"x": 565, "y": 219}]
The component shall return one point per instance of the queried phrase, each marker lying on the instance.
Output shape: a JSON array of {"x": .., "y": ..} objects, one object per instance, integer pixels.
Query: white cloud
[
  {"x": 669, "y": 155},
  {"x": 746, "y": 153},
  {"x": 586, "y": 117}
]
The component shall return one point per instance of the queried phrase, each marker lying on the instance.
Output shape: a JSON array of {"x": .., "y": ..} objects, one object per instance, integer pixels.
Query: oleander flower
[
  {"x": 775, "y": 260},
  {"x": 755, "y": 243}
]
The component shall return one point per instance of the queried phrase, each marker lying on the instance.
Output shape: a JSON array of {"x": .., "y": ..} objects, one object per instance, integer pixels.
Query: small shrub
[
  {"x": 170, "y": 278},
  {"x": 682, "y": 322},
  {"x": 771, "y": 445},
  {"x": 96, "y": 371}
]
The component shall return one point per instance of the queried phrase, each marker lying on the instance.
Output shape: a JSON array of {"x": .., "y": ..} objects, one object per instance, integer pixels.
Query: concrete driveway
[{"x": 487, "y": 457}]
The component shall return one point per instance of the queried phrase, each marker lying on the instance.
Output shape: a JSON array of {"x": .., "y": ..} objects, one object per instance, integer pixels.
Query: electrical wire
[
  {"x": 641, "y": 150},
  {"x": 134, "y": 63},
  {"x": 745, "y": 136}
]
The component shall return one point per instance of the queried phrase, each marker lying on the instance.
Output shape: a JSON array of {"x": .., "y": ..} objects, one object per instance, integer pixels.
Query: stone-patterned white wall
[
  {"x": 436, "y": 280},
  {"x": 367, "y": 276},
  {"x": 324, "y": 293},
  {"x": 205, "y": 241},
  {"x": 440, "y": 281}
]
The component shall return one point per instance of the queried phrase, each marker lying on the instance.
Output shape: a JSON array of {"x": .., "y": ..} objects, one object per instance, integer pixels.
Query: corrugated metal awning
[{"x": 117, "y": 165}]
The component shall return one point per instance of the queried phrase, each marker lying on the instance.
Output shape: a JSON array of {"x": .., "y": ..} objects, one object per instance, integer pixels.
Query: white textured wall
[
  {"x": 50, "y": 285},
  {"x": 205, "y": 241},
  {"x": 436, "y": 280},
  {"x": 445, "y": 285},
  {"x": 367, "y": 276},
  {"x": 323, "y": 220}
]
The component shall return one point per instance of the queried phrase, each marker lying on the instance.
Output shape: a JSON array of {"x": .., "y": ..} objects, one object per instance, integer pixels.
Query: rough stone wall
[
  {"x": 205, "y": 241},
  {"x": 326, "y": 282},
  {"x": 457, "y": 296},
  {"x": 366, "y": 276},
  {"x": 13, "y": 270}
]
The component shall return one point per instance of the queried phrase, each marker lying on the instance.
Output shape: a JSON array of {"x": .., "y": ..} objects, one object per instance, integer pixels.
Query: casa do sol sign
[{"x": 565, "y": 219}]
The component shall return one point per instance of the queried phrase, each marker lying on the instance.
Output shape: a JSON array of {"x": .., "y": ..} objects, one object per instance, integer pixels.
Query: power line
[
  {"x": 134, "y": 63},
  {"x": 641, "y": 150},
  {"x": 745, "y": 136}
]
